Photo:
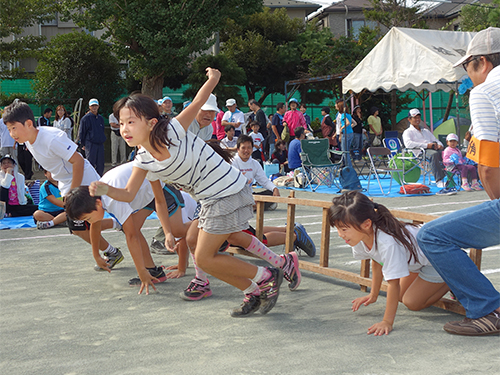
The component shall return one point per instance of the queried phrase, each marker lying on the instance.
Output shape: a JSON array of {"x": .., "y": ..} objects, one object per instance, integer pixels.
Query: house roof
[
  {"x": 354, "y": 5},
  {"x": 450, "y": 9},
  {"x": 290, "y": 4}
]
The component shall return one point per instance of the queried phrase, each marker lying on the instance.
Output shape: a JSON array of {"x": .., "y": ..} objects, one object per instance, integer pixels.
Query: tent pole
[
  {"x": 423, "y": 106},
  {"x": 457, "y": 125},
  {"x": 286, "y": 100},
  {"x": 430, "y": 112}
]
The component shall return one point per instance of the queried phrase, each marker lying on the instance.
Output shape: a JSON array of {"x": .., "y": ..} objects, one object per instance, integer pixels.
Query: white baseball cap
[
  {"x": 230, "y": 102},
  {"x": 211, "y": 104},
  {"x": 484, "y": 42},
  {"x": 93, "y": 102},
  {"x": 452, "y": 137},
  {"x": 413, "y": 112},
  {"x": 167, "y": 98}
]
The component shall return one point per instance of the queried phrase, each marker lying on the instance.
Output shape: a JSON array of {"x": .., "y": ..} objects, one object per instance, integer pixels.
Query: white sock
[
  {"x": 262, "y": 273},
  {"x": 110, "y": 249},
  {"x": 252, "y": 289},
  {"x": 200, "y": 274},
  {"x": 50, "y": 223}
]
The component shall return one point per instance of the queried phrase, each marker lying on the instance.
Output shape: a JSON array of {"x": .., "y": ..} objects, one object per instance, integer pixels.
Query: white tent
[{"x": 411, "y": 59}]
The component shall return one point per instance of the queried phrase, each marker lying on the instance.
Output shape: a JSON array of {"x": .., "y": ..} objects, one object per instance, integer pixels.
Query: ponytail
[{"x": 225, "y": 154}]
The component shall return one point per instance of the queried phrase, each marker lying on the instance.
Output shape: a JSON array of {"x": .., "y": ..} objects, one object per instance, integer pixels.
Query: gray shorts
[
  {"x": 227, "y": 215},
  {"x": 429, "y": 274}
]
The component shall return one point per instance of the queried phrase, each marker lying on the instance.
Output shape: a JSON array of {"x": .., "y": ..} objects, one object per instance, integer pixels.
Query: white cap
[
  {"x": 485, "y": 42},
  {"x": 230, "y": 102},
  {"x": 93, "y": 102},
  {"x": 211, "y": 104},
  {"x": 413, "y": 112},
  {"x": 452, "y": 137},
  {"x": 167, "y": 98}
]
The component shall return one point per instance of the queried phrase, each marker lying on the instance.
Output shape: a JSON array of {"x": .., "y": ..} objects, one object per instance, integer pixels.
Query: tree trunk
[
  {"x": 153, "y": 86},
  {"x": 448, "y": 106},
  {"x": 394, "y": 113}
]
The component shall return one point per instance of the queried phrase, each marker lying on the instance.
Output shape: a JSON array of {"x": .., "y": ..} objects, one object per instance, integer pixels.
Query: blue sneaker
[
  {"x": 303, "y": 241},
  {"x": 447, "y": 191}
]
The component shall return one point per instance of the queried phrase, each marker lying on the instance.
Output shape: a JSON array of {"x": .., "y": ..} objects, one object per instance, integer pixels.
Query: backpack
[
  {"x": 349, "y": 179},
  {"x": 415, "y": 189}
]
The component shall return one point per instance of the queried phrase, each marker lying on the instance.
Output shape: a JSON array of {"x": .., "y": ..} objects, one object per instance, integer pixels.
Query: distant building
[
  {"x": 447, "y": 14},
  {"x": 294, "y": 9}
]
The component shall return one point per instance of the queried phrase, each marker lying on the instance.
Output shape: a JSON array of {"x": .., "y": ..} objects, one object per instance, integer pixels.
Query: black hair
[
  {"x": 253, "y": 101},
  {"x": 279, "y": 106},
  {"x": 253, "y": 123},
  {"x": 373, "y": 110},
  {"x": 299, "y": 131},
  {"x": 144, "y": 106},
  {"x": 229, "y": 127},
  {"x": 243, "y": 138},
  {"x": 18, "y": 111},
  {"x": 47, "y": 110},
  {"x": 303, "y": 105},
  {"x": 353, "y": 208},
  {"x": 326, "y": 109},
  {"x": 493, "y": 58},
  {"x": 224, "y": 154},
  {"x": 78, "y": 202}
]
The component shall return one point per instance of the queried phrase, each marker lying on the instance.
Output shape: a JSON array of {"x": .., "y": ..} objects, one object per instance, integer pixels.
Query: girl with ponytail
[{"x": 374, "y": 233}]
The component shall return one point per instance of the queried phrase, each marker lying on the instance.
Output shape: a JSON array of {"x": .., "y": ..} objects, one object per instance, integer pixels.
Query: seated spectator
[
  {"x": 415, "y": 137},
  {"x": 453, "y": 161},
  {"x": 294, "y": 150},
  {"x": 51, "y": 207},
  {"x": 280, "y": 156},
  {"x": 13, "y": 190},
  {"x": 229, "y": 142}
]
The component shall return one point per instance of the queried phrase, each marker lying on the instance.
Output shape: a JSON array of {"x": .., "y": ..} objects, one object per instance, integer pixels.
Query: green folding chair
[{"x": 316, "y": 164}]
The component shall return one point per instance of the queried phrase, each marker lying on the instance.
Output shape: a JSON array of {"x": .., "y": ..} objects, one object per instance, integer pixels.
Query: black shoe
[
  {"x": 251, "y": 304},
  {"x": 270, "y": 289},
  {"x": 156, "y": 272}
]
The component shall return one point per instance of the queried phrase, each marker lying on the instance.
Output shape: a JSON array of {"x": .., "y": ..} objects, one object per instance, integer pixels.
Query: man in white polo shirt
[
  {"x": 443, "y": 239},
  {"x": 234, "y": 117}
]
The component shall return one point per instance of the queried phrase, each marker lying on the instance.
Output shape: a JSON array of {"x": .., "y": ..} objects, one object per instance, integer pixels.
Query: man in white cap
[
  {"x": 166, "y": 107},
  {"x": 234, "y": 117},
  {"x": 417, "y": 137},
  {"x": 91, "y": 136},
  {"x": 443, "y": 239},
  {"x": 202, "y": 124}
]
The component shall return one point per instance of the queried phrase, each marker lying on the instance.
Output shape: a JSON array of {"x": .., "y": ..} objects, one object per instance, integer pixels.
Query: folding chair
[
  {"x": 393, "y": 144},
  {"x": 390, "y": 167},
  {"x": 316, "y": 164}
]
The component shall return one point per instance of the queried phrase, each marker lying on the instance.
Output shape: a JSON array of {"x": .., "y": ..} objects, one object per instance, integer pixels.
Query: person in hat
[
  {"x": 417, "y": 137},
  {"x": 91, "y": 136},
  {"x": 234, "y": 117},
  {"x": 202, "y": 124},
  {"x": 443, "y": 239},
  {"x": 453, "y": 161},
  {"x": 12, "y": 189},
  {"x": 166, "y": 107}
]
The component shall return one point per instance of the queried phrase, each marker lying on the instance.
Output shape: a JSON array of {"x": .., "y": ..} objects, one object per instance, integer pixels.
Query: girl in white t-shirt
[
  {"x": 374, "y": 233},
  {"x": 173, "y": 154}
]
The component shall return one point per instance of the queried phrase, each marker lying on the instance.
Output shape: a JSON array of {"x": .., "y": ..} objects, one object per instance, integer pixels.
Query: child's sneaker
[
  {"x": 157, "y": 247},
  {"x": 447, "y": 191},
  {"x": 476, "y": 186},
  {"x": 291, "y": 270},
  {"x": 196, "y": 290},
  {"x": 303, "y": 240},
  {"x": 43, "y": 225},
  {"x": 155, "y": 272},
  {"x": 466, "y": 186},
  {"x": 270, "y": 289},
  {"x": 112, "y": 259},
  {"x": 251, "y": 304}
]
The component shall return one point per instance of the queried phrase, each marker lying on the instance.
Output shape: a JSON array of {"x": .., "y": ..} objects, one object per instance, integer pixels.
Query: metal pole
[{"x": 457, "y": 125}]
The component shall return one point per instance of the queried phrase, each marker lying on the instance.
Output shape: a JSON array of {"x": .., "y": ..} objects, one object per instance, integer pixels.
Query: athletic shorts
[
  {"x": 172, "y": 196},
  {"x": 77, "y": 225},
  {"x": 429, "y": 274}
]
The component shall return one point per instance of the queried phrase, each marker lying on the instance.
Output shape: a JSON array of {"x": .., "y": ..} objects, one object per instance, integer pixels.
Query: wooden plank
[
  {"x": 259, "y": 226},
  {"x": 290, "y": 224},
  {"x": 476, "y": 256},
  {"x": 238, "y": 250},
  {"x": 325, "y": 240},
  {"x": 365, "y": 272}
]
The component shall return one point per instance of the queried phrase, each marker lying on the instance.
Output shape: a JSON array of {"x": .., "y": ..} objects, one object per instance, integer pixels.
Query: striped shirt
[
  {"x": 485, "y": 107},
  {"x": 193, "y": 166}
]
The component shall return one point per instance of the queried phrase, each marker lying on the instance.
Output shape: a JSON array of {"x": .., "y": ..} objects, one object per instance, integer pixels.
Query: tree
[
  {"x": 157, "y": 38},
  {"x": 396, "y": 13},
  {"x": 78, "y": 65},
  {"x": 264, "y": 46},
  {"x": 14, "y": 16},
  {"x": 477, "y": 17}
]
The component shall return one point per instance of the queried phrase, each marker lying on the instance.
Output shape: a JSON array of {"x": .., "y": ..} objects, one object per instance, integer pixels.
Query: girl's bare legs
[{"x": 421, "y": 294}]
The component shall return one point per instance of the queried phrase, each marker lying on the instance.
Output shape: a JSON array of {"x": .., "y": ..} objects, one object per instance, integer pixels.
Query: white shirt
[
  {"x": 392, "y": 255},
  {"x": 412, "y": 138},
  {"x": 252, "y": 170},
  {"x": 226, "y": 143},
  {"x": 257, "y": 140},
  {"x": 193, "y": 166},
  {"x": 236, "y": 116},
  {"x": 5, "y": 139},
  {"x": 118, "y": 177},
  {"x": 52, "y": 149},
  {"x": 112, "y": 120},
  {"x": 485, "y": 107},
  {"x": 204, "y": 133}
]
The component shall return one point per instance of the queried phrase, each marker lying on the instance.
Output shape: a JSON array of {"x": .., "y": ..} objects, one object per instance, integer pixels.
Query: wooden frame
[{"x": 363, "y": 278}]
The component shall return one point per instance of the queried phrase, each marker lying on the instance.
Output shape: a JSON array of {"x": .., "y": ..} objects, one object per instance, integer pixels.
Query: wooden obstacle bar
[{"x": 363, "y": 278}]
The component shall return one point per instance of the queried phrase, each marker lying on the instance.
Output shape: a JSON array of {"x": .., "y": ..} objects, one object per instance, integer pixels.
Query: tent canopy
[{"x": 411, "y": 59}]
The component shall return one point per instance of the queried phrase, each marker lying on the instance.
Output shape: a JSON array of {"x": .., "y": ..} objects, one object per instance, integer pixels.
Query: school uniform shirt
[
  {"x": 48, "y": 188},
  {"x": 193, "y": 166},
  {"x": 252, "y": 170},
  {"x": 391, "y": 255},
  {"x": 118, "y": 177},
  {"x": 52, "y": 149},
  {"x": 257, "y": 140}
]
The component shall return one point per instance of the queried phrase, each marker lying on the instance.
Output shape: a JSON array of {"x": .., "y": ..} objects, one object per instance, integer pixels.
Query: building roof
[
  {"x": 291, "y": 4},
  {"x": 450, "y": 9},
  {"x": 354, "y": 5}
]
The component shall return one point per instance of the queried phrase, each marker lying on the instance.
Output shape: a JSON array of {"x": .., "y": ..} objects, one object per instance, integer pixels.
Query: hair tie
[{"x": 375, "y": 207}]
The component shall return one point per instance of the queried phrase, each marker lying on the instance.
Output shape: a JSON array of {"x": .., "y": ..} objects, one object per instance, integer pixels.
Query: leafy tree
[
  {"x": 14, "y": 16},
  {"x": 77, "y": 65},
  {"x": 476, "y": 17},
  {"x": 264, "y": 47},
  {"x": 395, "y": 13},
  {"x": 158, "y": 38}
]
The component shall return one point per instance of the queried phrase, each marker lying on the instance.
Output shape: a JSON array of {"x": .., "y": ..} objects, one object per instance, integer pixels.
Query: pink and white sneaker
[
  {"x": 196, "y": 290},
  {"x": 466, "y": 186},
  {"x": 476, "y": 186}
]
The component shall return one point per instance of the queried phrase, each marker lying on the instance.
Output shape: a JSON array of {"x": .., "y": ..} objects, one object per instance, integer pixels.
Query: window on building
[{"x": 354, "y": 26}]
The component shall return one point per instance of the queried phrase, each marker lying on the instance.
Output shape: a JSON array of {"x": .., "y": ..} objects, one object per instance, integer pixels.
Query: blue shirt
[
  {"x": 348, "y": 128},
  {"x": 294, "y": 150},
  {"x": 48, "y": 188}
]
